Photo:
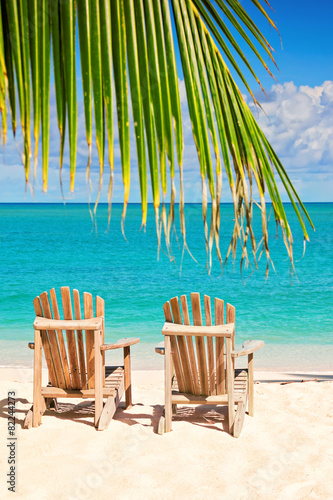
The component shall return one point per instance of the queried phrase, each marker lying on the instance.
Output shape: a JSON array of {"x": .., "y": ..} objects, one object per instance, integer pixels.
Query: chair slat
[
  {"x": 210, "y": 346},
  {"x": 100, "y": 311},
  {"x": 45, "y": 344},
  {"x": 177, "y": 317},
  {"x": 200, "y": 344},
  {"x": 174, "y": 350},
  {"x": 53, "y": 343},
  {"x": 80, "y": 343},
  {"x": 219, "y": 347},
  {"x": 231, "y": 318},
  {"x": 189, "y": 340},
  {"x": 89, "y": 313},
  {"x": 71, "y": 342},
  {"x": 177, "y": 363},
  {"x": 167, "y": 312},
  {"x": 61, "y": 340}
]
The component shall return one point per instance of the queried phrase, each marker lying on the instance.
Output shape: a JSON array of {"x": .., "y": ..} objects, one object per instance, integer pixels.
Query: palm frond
[{"x": 129, "y": 45}]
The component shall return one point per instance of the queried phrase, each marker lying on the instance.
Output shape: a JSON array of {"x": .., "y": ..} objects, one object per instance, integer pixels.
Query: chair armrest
[
  {"x": 160, "y": 348},
  {"x": 248, "y": 347},
  {"x": 120, "y": 343},
  {"x": 31, "y": 345}
]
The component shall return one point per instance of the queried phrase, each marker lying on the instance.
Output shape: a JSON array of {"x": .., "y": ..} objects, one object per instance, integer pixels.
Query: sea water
[{"x": 46, "y": 246}]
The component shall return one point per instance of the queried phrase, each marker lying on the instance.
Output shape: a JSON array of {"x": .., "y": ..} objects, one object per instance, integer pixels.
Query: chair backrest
[
  {"x": 70, "y": 366},
  {"x": 199, "y": 364}
]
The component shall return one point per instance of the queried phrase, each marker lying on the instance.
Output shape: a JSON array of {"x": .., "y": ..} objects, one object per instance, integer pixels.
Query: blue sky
[
  {"x": 299, "y": 125},
  {"x": 306, "y": 32}
]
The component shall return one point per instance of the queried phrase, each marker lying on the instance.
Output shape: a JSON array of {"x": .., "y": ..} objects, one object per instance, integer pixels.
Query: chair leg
[
  {"x": 230, "y": 387},
  {"x": 239, "y": 419},
  {"x": 127, "y": 375},
  {"x": 110, "y": 408},
  {"x": 98, "y": 377},
  {"x": 37, "y": 384},
  {"x": 54, "y": 404},
  {"x": 251, "y": 385},
  {"x": 167, "y": 383},
  {"x": 27, "y": 423},
  {"x": 45, "y": 404},
  {"x": 161, "y": 426}
]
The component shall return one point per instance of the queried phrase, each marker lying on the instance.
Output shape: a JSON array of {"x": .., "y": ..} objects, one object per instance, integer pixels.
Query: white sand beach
[{"x": 284, "y": 452}]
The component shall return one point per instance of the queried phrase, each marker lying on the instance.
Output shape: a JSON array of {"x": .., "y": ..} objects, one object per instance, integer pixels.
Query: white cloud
[{"x": 300, "y": 126}]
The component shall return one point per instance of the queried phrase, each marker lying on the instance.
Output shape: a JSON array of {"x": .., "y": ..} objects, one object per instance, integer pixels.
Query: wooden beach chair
[
  {"x": 199, "y": 361},
  {"x": 76, "y": 362}
]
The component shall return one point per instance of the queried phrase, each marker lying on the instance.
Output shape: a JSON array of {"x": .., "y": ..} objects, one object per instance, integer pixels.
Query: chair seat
[
  {"x": 114, "y": 376},
  {"x": 240, "y": 392}
]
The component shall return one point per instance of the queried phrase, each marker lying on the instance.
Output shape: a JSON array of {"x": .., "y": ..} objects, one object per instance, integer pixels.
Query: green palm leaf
[
  {"x": 3, "y": 107},
  {"x": 35, "y": 73},
  {"x": 25, "y": 49},
  {"x": 59, "y": 77},
  {"x": 14, "y": 26},
  {"x": 9, "y": 66},
  {"x": 67, "y": 11},
  {"x": 96, "y": 75},
  {"x": 120, "y": 79},
  {"x": 45, "y": 63},
  {"x": 146, "y": 103},
  {"x": 106, "y": 52},
  {"x": 106, "y": 48},
  {"x": 83, "y": 17},
  {"x": 134, "y": 76}
]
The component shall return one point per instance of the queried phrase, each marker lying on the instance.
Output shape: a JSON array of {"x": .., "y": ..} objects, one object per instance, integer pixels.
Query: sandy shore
[{"x": 284, "y": 452}]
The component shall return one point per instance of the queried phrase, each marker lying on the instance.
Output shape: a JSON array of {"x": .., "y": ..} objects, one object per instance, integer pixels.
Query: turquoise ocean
[{"x": 51, "y": 245}]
